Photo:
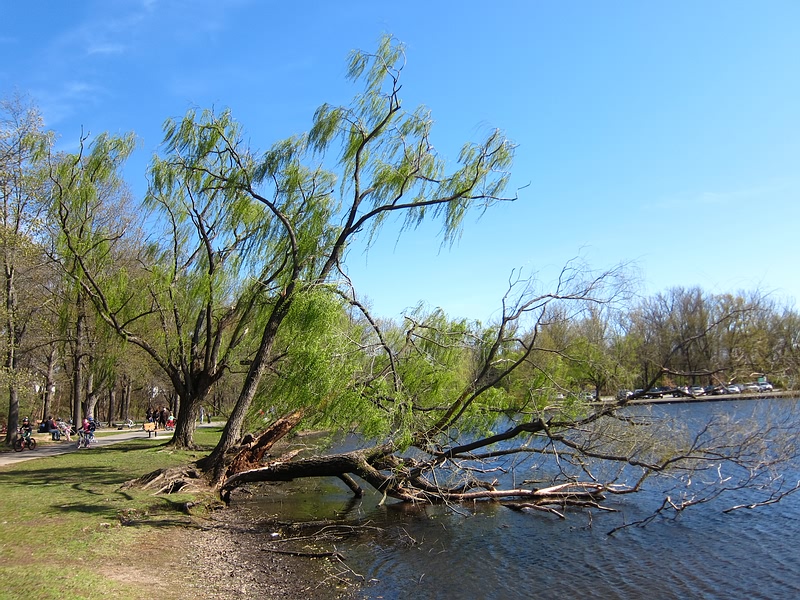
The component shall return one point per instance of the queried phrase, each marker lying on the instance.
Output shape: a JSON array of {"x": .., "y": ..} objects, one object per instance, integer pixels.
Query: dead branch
[
  {"x": 533, "y": 506},
  {"x": 773, "y": 500},
  {"x": 251, "y": 455},
  {"x": 303, "y": 554}
]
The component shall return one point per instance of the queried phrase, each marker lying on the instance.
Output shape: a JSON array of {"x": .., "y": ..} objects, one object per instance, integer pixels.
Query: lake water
[{"x": 488, "y": 551}]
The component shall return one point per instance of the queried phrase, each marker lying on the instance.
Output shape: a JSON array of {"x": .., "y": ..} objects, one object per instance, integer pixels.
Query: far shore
[{"x": 711, "y": 398}]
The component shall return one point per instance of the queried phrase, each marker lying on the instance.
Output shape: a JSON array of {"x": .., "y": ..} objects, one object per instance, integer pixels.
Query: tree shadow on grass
[
  {"x": 161, "y": 522},
  {"x": 87, "y": 509},
  {"x": 59, "y": 475}
]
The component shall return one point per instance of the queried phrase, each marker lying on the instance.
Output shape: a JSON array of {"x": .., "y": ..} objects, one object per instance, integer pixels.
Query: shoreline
[
  {"x": 229, "y": 559},
  {"x": 716, "y": 398}
]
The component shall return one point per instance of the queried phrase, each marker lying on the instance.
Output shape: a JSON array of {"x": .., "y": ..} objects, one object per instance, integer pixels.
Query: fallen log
[{"x": 360, "y": 463}]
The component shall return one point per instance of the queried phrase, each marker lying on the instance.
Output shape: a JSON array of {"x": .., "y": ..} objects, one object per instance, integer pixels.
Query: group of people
[
  {"x": 86, "y": 432},
  {"x": 57, "y": 428},
  {"x": 161, "y": 417}
]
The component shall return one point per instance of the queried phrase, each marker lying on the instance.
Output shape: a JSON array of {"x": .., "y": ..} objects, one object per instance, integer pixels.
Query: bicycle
[
  {"x": 24, "y": 441},
  {"x": 84, "y": 439}
]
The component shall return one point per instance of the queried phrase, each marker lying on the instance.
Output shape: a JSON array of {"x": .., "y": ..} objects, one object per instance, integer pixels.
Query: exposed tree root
[{"x": 170, "y": 481}]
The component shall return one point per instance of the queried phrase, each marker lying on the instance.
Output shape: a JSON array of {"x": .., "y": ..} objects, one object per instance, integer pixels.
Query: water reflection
[{"x": 487, "y": 551}]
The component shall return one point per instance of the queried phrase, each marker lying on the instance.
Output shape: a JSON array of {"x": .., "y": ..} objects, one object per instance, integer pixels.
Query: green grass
[{"x": 65, "y": 520}]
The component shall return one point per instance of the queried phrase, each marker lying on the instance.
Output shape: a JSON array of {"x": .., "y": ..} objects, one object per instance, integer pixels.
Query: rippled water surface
[{"x": 492, "y": 552}]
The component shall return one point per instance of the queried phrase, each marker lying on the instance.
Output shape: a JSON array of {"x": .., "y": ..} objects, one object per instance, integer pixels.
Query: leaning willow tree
[
  {"x": 244, "y": 235},
  {"x": 439, "y": 404},
  {"x": 452, "y": 412},
  {"x": 385, "y": 166},
  {"x": 248, "y": 274}
]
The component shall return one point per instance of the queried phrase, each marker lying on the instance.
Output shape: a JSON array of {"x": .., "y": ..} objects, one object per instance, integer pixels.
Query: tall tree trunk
[
  {"x": 175, "y": 404},
  {"x": 77, "y": 361},
  {"x": 45, "y": 398},
  {"x": 13, "y": 415},
  {"x": 189, "y": 397},
  {"x": 126, "y": 399},
  {"x": 112, "y": 400},
  {"x": 185, "y": 423},
  {"x": 214, "y": 463},
  {"x": 50, "y": 379},
  {"x": 91, "y": 397},
  {"x": 10, "y": 361}
]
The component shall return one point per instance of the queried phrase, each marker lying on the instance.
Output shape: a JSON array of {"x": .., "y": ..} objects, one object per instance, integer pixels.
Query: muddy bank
[{"x": 229, "y": 557}]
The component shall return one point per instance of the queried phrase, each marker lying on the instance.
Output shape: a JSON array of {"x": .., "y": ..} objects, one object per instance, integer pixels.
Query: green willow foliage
[
  {"x": 239, "y": 236},
  {"x": 312, "y": 368}
]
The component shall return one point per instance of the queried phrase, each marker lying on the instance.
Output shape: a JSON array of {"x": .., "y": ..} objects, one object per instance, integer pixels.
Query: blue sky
[{"x": 667, "y": 134}]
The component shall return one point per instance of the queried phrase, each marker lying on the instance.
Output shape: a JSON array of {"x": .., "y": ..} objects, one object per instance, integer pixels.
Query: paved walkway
[{"x": 55, "y": 448}]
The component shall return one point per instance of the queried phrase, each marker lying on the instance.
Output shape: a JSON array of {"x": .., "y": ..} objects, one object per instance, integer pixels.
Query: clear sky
[{"x": 664, "y": 133}]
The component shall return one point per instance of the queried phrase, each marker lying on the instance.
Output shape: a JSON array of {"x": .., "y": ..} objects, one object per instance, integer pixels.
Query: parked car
[
  {"x": 765, "y": 387},
  {"x": 751, "y": 387},
  {"x": 733, "y": 389},
  {"x": 624, "y": 394},
  {"x": 714, "y": 390},
  {"x": 696, "y": 390}
]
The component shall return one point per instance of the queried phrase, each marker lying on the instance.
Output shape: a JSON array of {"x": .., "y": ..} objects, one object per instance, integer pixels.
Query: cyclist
[
  {"x": 92, "y": 428},
  {"x": 26, "y": 429},
  {"x": 85, "y": 433}
]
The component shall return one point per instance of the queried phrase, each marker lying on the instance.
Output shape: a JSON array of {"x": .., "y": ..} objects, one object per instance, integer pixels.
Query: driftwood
[
  {"x": 567, "y": 494},
  {"x": 304, "y": 554}
]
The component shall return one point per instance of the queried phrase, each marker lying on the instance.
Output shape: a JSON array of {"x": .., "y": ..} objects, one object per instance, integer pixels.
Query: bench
[{"x": 150, "y": 428}]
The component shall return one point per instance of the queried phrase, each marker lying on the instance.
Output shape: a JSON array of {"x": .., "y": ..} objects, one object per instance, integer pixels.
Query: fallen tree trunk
[
  {"x": 338, "y": 465},
  {"x": 396, "y": 482}
]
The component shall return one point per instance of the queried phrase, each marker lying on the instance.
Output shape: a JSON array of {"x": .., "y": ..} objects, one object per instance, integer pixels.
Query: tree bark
[
  {"x": 12, "y": 342},
  {"x": 126, "y": 399},
  {"x": 214, "y": 463},
  {"x": 112, "y": 404},
  {"x": 250, "y": 456},
  {"x": 185, "y": 424},
  {"x": 77, "y": 360}
]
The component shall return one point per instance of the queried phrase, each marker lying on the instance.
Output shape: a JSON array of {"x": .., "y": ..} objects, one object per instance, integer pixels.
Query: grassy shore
[{"x": 69, "y": 529}]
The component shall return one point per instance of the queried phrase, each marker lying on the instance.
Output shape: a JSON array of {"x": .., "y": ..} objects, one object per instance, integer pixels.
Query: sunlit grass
[{"x": 65, "y": 520}]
